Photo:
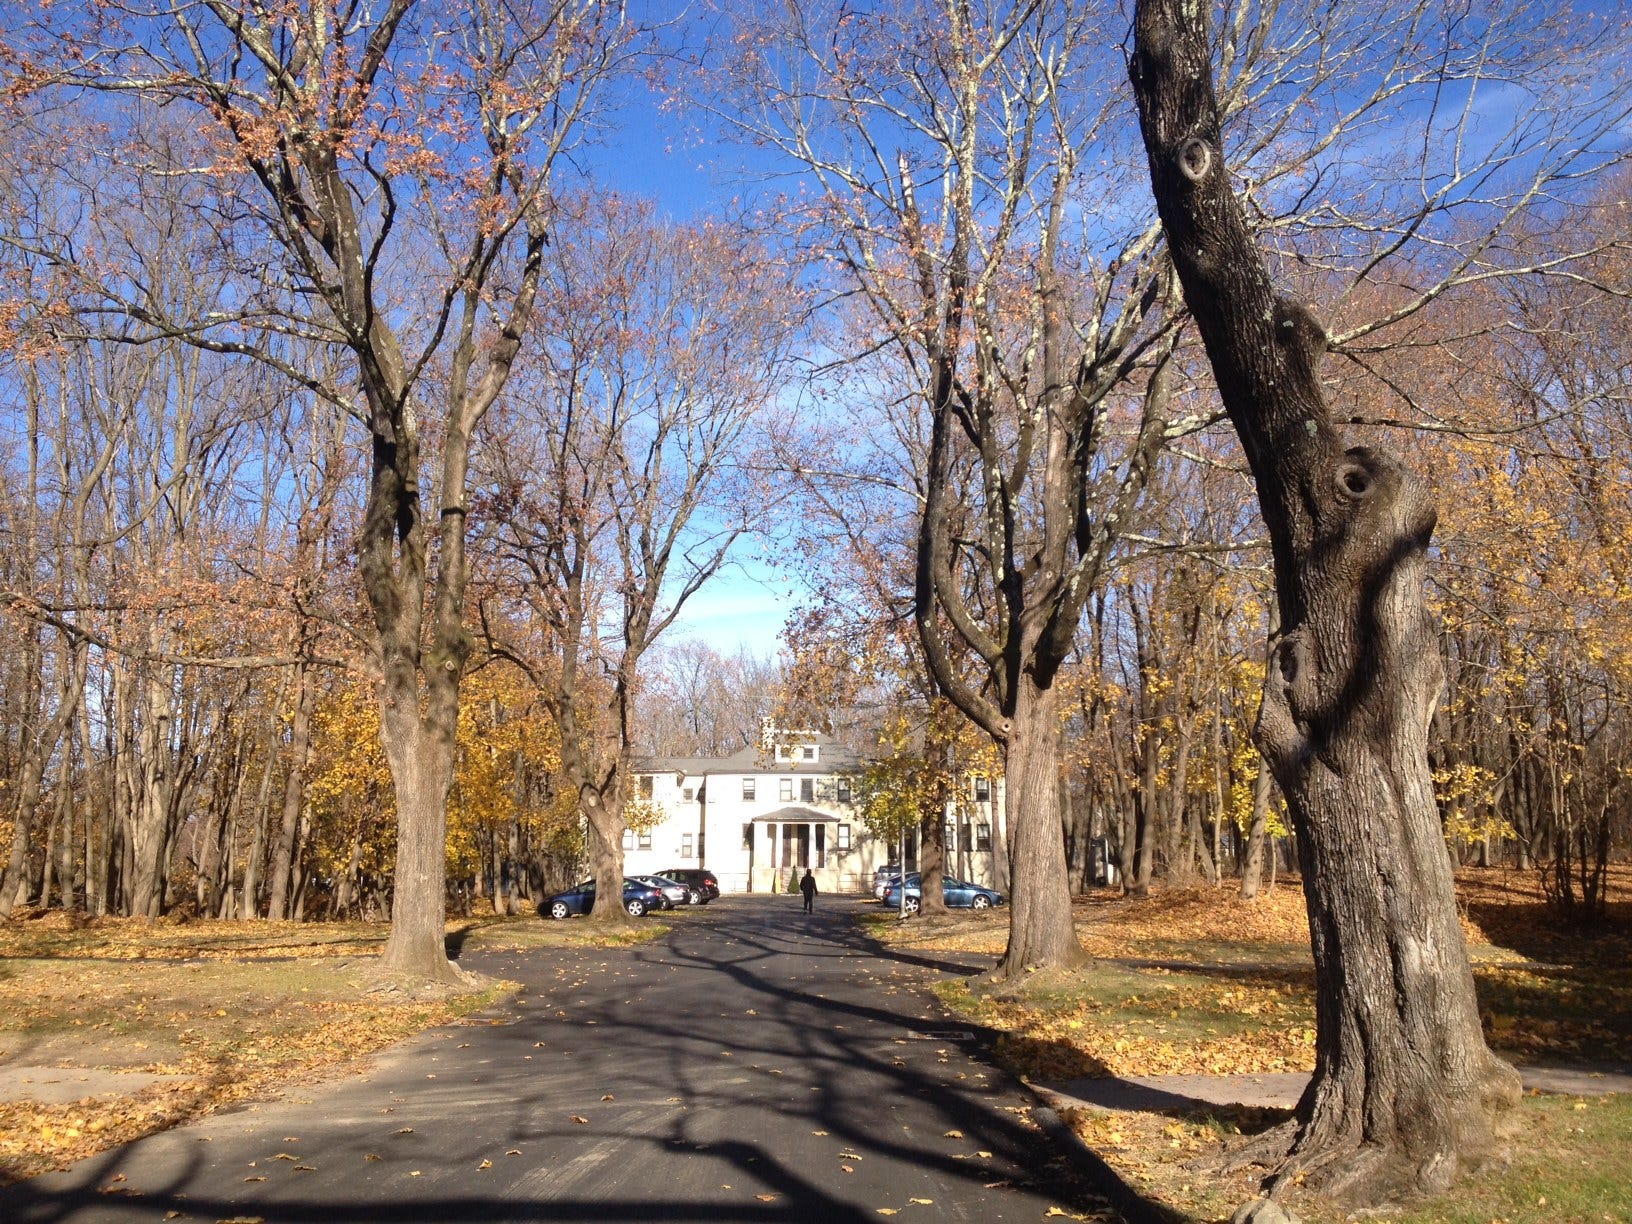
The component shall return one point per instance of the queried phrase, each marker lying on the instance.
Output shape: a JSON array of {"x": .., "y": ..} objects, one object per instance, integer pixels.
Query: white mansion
[{"x": 755, "y": 816}]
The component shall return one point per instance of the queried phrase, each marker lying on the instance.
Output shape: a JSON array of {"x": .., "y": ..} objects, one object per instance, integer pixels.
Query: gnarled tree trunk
[{"x": 1405, "y": 1094}]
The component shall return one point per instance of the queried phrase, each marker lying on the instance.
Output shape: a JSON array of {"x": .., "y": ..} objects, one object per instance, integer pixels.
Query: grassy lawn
[
  {"x": 1570, "y": 1166},
  {"x": 1198, "y": 982},
  {"x": 228, "y": 1011}
]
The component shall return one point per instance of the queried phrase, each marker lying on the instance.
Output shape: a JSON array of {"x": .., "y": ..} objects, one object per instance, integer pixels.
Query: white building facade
[{"x": 765, "y": 814}]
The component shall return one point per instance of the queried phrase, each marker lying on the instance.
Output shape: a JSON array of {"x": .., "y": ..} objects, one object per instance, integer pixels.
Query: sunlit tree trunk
[{"x": 1405, "y": 1094}]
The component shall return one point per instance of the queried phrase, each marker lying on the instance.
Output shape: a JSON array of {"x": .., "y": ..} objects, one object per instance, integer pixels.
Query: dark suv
[{"x": 700, "y": 880}]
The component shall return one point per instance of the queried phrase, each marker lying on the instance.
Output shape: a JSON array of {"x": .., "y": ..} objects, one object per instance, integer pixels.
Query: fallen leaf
[
  {"x": 250, "y": 1179},
  {"x": 953, "y": 1135},
  {"x": 285, "y": 1156},
  {"x": 766, "y": 1198},
  {"x": 407, "y": 1130},
  {"x": 888, "y": 1211},
  {"x": 486, "y": 1164},
  {"x": 579, "y": 1120},
  {"x": 847, "y": 1168},
  {"x": 305, "y": 1169},
  {"x": 609, "y": 1097},
  {"x": 513, "y": 1152},
  {"x": 922, "y": 1202},
  {"x": 415, "y": 1173},
  {"x": 370, "y": 1156}
]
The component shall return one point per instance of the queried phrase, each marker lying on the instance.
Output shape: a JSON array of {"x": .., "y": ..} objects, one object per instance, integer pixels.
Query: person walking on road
[{"x": 807, "y": 885}]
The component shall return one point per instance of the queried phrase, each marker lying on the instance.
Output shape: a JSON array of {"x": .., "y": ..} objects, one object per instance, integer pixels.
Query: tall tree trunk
[
  {"x": 932, "y": 824},
  {"x": 250, "y": 907},
  {"x": 420, "y": 751},
  {"x": 1042, "y": 932},
  {"x": 1252, "y": 866},
  {"x": 37, "y": 754},
  {"x": 294, "y": 792},
  {"x": 1405, "y": 1094}
]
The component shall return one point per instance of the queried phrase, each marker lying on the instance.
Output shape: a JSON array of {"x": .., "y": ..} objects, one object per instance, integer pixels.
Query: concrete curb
[{"x": 1133, "y": 1206}]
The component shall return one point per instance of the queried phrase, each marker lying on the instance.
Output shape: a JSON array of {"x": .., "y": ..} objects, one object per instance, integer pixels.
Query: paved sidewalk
[
  {"x": 1281, "y": 1091},
  {"x": 65, "y": 1085}
]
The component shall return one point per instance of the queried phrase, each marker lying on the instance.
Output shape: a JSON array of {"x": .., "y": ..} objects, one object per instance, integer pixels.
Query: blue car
[
  {"x": 638, "y": 899},
  {"x": 959, "y": 894}
]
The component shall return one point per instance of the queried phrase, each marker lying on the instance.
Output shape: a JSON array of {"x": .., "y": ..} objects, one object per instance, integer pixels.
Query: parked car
[
  {"x": 959, "y": 894},
  {"x": 701, "y": 880},
  {"x": 674, "y": 892},
  {"x": 638, "y": 899},
  {"x": 883, "y": 877}
]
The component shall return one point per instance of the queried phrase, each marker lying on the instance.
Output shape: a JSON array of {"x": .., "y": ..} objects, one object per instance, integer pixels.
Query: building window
[
  {"x": 748, "y": 790},
  {"x": 688, "y": 794},
  {"x": 646, "y": 841},
  {"x": 983, "y": 836},
  {"x": 844, "y": 790},
  {"x": 781, "y": 752},
  {"x": 951, "y": 836},
  {"x": 628, "y": 839},
  {"x": 808, "y": 752},
  {"x": 844, "y": 837},
  {"x": 785, "y": 789},
  {"x": 807, "y": 790},
  {"x": 748, "y": 837},
  {"x": 983, "y": 790},
  {"x": 645, "y": 786},
  {"x": 685, "y": 845}
]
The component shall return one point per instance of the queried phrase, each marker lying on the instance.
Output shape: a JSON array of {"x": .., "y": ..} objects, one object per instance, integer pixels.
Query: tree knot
[{"x": 1195, "y": 159}]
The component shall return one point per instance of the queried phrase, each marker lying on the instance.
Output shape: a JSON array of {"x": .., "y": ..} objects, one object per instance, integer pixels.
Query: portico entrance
[{"x": 786, "y": 842}]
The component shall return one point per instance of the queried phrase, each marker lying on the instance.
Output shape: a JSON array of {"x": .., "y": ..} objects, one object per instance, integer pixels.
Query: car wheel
[
  {"x": 559, "y": 909},
  {"x": 693, "y": 897},
  {"x": 912, "y": 905},
  {"x": 636, "y": 907},
  {"x": 981, "y": 901}
]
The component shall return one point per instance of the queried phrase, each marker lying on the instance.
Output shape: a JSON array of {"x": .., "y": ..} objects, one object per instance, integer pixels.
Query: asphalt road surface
[{"x": 756, "y": 1064}]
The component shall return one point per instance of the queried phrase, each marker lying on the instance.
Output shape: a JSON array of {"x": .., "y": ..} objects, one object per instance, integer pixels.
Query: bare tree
[
  {"x": 396, "y": 166},
  {"x": 623, "y": 476},
  {"x": 960, "y": 153},
  {"x": 696, "y": 701},
  {"x": 1405, "y": 1093}
]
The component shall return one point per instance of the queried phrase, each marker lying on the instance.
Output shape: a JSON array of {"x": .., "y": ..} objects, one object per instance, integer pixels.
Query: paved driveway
[{"x": 756, "y": 1064}]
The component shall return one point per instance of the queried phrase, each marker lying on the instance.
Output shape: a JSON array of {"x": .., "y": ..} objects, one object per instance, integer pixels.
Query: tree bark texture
[
  {"x": 1042, "y": 929},
  {"x": 1405, "y": 1094}
]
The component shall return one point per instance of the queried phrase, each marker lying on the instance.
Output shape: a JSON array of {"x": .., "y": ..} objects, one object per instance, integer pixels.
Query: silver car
[{"x": 674, "y": 892}]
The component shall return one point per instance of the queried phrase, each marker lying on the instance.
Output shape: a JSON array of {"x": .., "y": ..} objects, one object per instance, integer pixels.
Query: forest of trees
[{"x": 361, "y": 440}]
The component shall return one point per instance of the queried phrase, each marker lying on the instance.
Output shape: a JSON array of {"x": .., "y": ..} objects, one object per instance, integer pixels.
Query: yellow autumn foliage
[{"x": 503, "y": 735}]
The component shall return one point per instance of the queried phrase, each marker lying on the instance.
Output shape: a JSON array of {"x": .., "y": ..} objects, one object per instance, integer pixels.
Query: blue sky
[{"x": 650, "y": 153}]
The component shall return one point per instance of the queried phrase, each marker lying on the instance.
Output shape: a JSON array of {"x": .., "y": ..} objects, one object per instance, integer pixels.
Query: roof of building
[
  {"x": 796, "y": 814},
  {"x": 831, "y": 756}
]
